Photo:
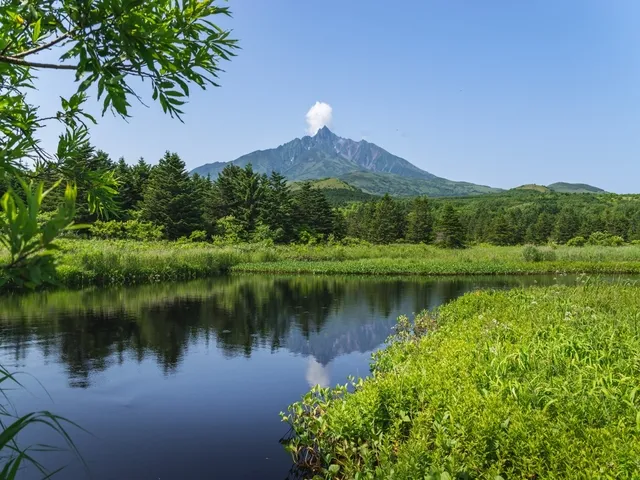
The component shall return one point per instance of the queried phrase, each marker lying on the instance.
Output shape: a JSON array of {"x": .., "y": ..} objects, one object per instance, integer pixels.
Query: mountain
[
  {"x": 563, "y": 187},
  {"x": 361, "y": 164},
  {"x": 337, "y": 192}
]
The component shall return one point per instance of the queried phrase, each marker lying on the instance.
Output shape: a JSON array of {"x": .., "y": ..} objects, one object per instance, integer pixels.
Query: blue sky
[{"x": 492, "y": 92}]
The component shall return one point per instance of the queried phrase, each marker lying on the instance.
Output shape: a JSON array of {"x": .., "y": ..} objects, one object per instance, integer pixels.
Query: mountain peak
[
  {"x": 324, "y": 132},
  {"x": 327, "y": 155}
]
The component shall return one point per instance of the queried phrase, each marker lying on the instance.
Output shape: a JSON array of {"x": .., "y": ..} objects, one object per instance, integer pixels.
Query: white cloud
[
  {"x": 317, "y": 374},
  {"x": 318, "y": 116}
]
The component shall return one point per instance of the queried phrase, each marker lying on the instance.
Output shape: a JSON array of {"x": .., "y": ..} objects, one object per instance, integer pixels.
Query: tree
[
  {"x": 420, "y": 221},
  {"x": 106, "y": 44},
  {"x": 171, "y": 199},
  {"x": 567, "y": 225},
  {"x": 541, "y": 230},
  {"x": 388, "y": 221},
  {"x": 502, "y": 232},
  {"x": 277, "y": 210},
  {"x": 312, "y": 211},
  {"x": 238, "y": 192},
  {"x": 450, "y": 232},
  {"x": 132, "y": 183}
]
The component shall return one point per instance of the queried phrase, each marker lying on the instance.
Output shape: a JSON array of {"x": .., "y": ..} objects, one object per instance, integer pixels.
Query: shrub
[
  {"x": 635, "y": 242},
  {"x": 229, "y": 231},
  {"x": 198, "y": 236},
  {"x": 129, "y": 230},
  {"x": 578, "y": 241},
  {"x": 605, "y": 239},
  {"x": 534, "y": 383},
  {"x": 534, "y": 254},
  {"x": 531, "y": 254}
]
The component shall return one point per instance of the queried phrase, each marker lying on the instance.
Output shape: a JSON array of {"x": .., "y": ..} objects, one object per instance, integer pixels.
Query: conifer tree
[
  {"x": 450, "y": 232},
  {"x": 277, "y": 209},
  {"x": 567, "y": 225},
  {"x": 313, "y": 212},
  {"x": 388, "y": 221},
  {"x": 420, "y": 221},
  {"x": 501, "y": 231},
  {"x": 171, "y": 200}
]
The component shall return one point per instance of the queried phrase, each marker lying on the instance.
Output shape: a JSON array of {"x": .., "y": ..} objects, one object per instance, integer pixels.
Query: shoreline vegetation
[
  {"x": 527, "y": 383},
  {"x": 124, "y": 262}
]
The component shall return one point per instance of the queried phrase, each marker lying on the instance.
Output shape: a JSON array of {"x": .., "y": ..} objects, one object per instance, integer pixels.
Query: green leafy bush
[
  {"x": 198, "y": 236},
  {"x": 228, "y": 231},
  {"x": 578, "y": 241},
  {"x": 605, "y": 239},
  {"x": 535, "y": 254},
  {"x": 534, "y": 383},
  {"x": 129, "y": 230}
]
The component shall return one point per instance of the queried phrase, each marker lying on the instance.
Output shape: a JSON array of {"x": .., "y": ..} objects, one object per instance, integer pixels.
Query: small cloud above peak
[{"x": 319, "y": 115}]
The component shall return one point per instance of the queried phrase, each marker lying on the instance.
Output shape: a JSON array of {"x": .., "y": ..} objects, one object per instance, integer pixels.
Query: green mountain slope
[
  {"x": 361, "y": 164},
  {"x": 337, "y": 192},
  {"x": 396, "y": 185},
  {"x": 563, "y": 187}
]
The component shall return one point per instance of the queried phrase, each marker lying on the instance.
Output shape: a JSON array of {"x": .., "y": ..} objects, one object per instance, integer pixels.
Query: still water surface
[{"x": 186, "y": 380}]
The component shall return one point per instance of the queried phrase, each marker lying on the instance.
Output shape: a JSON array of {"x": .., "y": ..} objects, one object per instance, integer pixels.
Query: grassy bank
[
  {"x": 100, "y": 262},
  {"x": 537, "y": 383}
]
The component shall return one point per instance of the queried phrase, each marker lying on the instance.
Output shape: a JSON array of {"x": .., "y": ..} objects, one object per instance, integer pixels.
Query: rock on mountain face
[{"x": 328, "y": 155}]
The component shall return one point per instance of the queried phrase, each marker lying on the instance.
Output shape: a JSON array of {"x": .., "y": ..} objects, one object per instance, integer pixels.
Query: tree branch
[
  {"x": 24, "y": 63},
  {"x": 42, "y": 47}
]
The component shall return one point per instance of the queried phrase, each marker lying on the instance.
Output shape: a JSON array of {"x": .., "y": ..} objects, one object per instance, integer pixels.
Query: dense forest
[{"x": 165, "y": 201}]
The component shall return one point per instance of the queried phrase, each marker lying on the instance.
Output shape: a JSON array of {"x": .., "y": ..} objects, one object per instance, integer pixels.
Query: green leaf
[{"x": 36, "y": 31}]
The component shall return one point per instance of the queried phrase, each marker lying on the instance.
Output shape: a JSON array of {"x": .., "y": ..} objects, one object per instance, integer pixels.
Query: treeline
[{"x": 165, "y": 201}]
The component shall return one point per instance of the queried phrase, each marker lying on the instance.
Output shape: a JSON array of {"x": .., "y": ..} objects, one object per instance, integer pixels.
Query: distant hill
[
  {"x": 534, "y": 187},
  {"x": 362, "y": 164},
  {"x": 337, "y": 192},
  {"x": 563, "y": 187}
]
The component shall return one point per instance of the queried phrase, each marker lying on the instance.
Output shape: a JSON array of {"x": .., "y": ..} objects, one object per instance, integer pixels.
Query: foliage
[
  {"x": 605, "y": 239},
  {"x": 313, "y": 212},
  {"x": 128, "y": 230},
  {"x": 536, "y": 383},
  {"x": 171, "y": 199},
  {"x": 86, "y": 262},
  {"x": 420, "y": 221},
  {"x": 15, "y": 457},
  {"x": 534, "y": 254},
  {"x": 578, "y": 241},
  {"x": 108, "y": 45},
  {"x": 229, "y": 231},
  {"x": 450, "y": 233},
  {"x": 27, "y": 239}
]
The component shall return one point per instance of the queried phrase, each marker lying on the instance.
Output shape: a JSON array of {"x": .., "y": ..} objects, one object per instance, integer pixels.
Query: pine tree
[
  {"x": 238, "y": 192},
  {"x": 277, "y": 210},
  {"x": 450, "y": 232},
  {"x": 388, "y": 221},
  {"x": 501, "y": 231},
  {"x": 567, "y": 225},
  {"x": 132, "y": 180},
  {"x": 313, "y": 212},
  {"x": 171, "y": 200},
  {"x": 540, "y": 231},
  {"x": 420, "y": 221}
]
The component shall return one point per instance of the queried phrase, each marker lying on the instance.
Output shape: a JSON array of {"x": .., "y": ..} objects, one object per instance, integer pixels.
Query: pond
[{"x": 186, "y": 380}]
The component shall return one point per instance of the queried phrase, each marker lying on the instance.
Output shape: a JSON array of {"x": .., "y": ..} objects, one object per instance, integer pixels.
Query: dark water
[{"x": 185, "y": 381}]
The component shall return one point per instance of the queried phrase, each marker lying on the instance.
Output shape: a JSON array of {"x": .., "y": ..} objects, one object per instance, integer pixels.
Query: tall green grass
[
  {"x": 102, "y": 262},
  {"x": 13, "y": 455},
  {"x": 538, "y": 383}
]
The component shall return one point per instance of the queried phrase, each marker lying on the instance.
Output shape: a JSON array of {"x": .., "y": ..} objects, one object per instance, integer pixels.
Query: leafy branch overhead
[{"x": 114, "y": 48}]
